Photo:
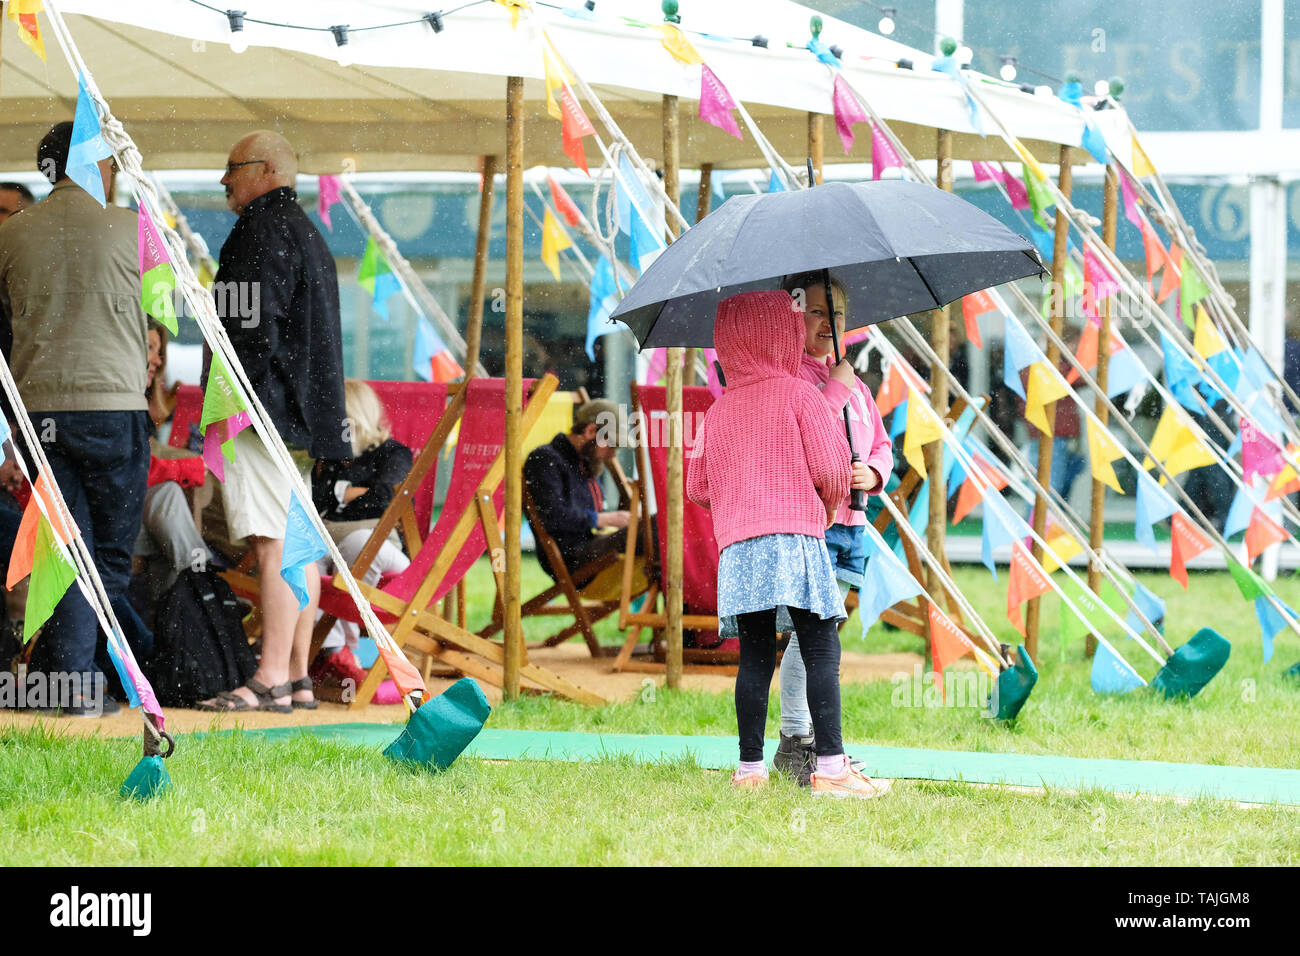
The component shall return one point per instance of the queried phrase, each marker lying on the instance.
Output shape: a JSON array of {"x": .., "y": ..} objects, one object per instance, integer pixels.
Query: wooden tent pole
[
  {"x": 705, "y": 198},
  {"x": 513, "y": 632},
  {"x": 937, "y": 526},
  {"x": 672, "y": 565},
  {"x": 1060, "y": 255},
  {"x": 817, "y": 144},
  {"x": 474, "y": 327},
  {"x": 1097, "y": 522}
]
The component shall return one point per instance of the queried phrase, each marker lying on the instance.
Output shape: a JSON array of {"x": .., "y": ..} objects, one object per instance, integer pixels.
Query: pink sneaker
[
  {"x": 850, "y": 783},
  {"x": 750, "y": 781}
]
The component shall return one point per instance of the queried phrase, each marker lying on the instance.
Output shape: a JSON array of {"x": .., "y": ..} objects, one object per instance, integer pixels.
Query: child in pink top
[
  {"x": 772, "y": 465},
  {"x": 845, "y": 539}
]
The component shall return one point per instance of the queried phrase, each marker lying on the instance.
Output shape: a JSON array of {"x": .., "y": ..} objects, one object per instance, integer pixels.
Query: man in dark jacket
[
  {"x": 563, "y": 479},
  {"x": 277, "y": 295}
]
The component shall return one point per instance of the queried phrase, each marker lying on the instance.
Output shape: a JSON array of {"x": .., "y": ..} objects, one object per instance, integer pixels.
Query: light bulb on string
[
  {"x": 886, "y": 24},
  {"x": 343, "y": 53},
  {"x": 1102, "y": 88},
  {"x": 1008, "y": 71},
  {"x": 963, "y": 55},
  {"x": 238, "y": 39}
]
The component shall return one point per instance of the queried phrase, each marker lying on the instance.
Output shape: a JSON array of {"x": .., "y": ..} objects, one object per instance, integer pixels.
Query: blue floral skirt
[{"x": 776, "y": 571}]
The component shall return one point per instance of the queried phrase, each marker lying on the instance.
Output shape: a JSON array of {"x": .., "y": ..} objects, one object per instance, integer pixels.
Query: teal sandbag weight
[
  {"x": 147, "y": 780},
  {"x": 1193, "y": 665},
  {"x": 1293, "y": 671},
  {"x": 443, "y": 727},
  {"x": 1013, "y": 687}
]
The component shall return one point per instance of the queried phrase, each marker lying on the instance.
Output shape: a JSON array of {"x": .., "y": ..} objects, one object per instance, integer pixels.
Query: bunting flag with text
[
  {"x": 1073, "y": 626},
  {"x": 883, "y": 154},
  {"x": 1111, "y": 674},
  {"x": 157, "y": 279},
  {"x": 1062, "y": 545},
  {"x": 23, "y": 13},
  {"x": 948, "y": 643},
  {"x": 1262, "y": 533},
  {"x": 848, "y": 111},
  {"x": 716, "y": 103},
  {"x": 1260, "y": 454},
  {"x": 574, "y": 125},
  {"x": 1027, "y": 580},
  {"x": 1186, "y": 542}
]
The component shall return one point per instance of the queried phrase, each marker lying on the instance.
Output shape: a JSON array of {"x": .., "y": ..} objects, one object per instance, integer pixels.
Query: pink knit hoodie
[
  {"x": 870, "y": 437},
  {"x": 773, "y": 457}
]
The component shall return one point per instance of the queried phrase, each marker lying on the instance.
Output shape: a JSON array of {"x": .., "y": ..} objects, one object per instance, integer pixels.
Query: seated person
[
  {"x": 563, "y": 480},
  {"x": 352, "y": 496}
]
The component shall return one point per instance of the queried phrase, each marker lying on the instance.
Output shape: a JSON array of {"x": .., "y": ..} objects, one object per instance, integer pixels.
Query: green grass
[{"x": 239, "y": 801}]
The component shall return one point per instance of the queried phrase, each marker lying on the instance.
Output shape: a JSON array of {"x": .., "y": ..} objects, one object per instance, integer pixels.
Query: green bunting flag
[
  {"x": 1040, "y": 199},
  {"x": 157, "y": 278},
  {"x": 1193, "y": 290},
  {"x": 1250, "y": 584},
  {"x": 372, "y": 264},
  {"x": 52, "y": 575},
  {"x": 221, "y": 401}
]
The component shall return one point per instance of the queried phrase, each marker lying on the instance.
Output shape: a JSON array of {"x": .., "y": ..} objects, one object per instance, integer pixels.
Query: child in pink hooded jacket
[{"x": 772, "y": 465}]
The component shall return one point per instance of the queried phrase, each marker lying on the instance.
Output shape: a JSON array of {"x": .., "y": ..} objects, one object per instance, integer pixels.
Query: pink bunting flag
[
  {"x": 716, "y": 103},
  {"x": 327, "y": 196},
  {"x": 218, "y": 434},
  {"x": 148, "y": 702},
  {"x": 883, "y": 154},
  {"x": 1130, "y": 199},
  {"x": 658, "y": 366},
  {"x": 1016, "y": 191},
  {"x": 986, "y": 172},
  {"x": 847, "y": 112},
  {"x": 1260, "y": 455}
]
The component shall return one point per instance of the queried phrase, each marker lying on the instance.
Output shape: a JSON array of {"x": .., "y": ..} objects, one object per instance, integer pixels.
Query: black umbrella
[{"x": 897, "y": 247}]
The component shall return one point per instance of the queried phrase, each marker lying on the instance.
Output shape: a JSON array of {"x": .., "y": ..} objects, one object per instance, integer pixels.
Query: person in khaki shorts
[{"x": 277, "y": 296}]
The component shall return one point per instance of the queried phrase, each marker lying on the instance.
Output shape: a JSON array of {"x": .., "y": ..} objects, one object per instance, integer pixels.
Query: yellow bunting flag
[
  {"x": 1168, "y": 431},
  {"x": 1286, "y": 482},
  {"x": 922, "y": 428},
  {"x": 556, "y": 77},
  {"x": 1043, "y": 389},
  {"x": 1142, "y": 165},
  {"x": 514, "y": 6},
  {"x": 1064, "y": 547},
  {"x": 23, "y": 13},
  {"x": 554, "y": 241},
  {"x": 1207, "y": 340},
  {"x": 1189, "y": 452},
  {"x": 1103, "y": 449},
  {"x": 1027, "y": 158},
  {"x": 675, "y": 42}
]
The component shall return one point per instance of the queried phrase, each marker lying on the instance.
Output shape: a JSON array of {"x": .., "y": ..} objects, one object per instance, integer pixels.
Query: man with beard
[{"x": 563, "y": 479}]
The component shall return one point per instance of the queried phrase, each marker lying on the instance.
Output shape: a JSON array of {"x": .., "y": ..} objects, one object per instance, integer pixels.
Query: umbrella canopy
[{"x": 897, "y": 247}]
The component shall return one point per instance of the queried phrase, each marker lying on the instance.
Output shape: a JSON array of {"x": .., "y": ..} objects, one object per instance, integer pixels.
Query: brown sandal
[
  {"x": 304, "y": 683},
  {"x": 265, "y": 699}
]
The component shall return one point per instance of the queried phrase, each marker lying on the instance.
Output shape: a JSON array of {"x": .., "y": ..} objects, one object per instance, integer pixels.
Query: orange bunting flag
[
  {"x": 1155, "y": 252},
  {"x": 1261, "y": 534},
  {"x": 1207, "y": 341},
  {"x": 1172, "y": 277},
  {"x": 1286, "y": 482},
  {"x": 972, "y": 307},
  {"x": 1044, "y": 388},
  {"x": 403, "y": 673},
  {"x": 20, "y": 561},
  {"x": 1186, "y": 542},
  {"x": 991, "y": 471},
  {"x": 574, "y": 126},
  {"x": 1027, "y": 581},
  {"x": 893, "y": 390},
  {"x": 968, "y": 496},
  {"x": 23, "y": 13},
  {"x": 1142, "y": 165},
  {"x": 1102, "y": 450},
  {"x": 922, "y": 428},
  {"x": 947, "y": 643},
  {"x": 563, "y": 203},
  {"x": 1086, "y": 353}
]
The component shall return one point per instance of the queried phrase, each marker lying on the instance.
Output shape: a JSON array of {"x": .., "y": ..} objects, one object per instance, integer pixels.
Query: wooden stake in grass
[{"x": 514, "y": 638}]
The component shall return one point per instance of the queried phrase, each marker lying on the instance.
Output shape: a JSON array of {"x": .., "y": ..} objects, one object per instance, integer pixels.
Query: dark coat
[
  {"x": 379, "y": 470},
  {"x": 567, "y": 499},
  {"x": 292, "y": 349}
]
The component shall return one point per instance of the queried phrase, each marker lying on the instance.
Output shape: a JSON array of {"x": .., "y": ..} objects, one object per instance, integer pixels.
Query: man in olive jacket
[{"x": 76, "y": 339}]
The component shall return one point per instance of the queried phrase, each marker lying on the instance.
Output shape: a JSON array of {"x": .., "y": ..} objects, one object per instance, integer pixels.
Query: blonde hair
[
  {"x": 370, "y": 427},
  {"x": 807, "y": 280}
]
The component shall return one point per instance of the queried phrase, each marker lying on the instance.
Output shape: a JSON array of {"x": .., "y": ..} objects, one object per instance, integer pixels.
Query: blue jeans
[{"x": 100, "y": 461}]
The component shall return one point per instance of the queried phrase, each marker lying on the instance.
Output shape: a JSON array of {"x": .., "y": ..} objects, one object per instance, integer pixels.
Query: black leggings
[{"x": 819, "y": 645}]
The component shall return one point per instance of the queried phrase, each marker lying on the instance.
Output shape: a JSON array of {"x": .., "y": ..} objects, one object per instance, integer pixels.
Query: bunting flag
[
  {"x": 1102, "y": 451},
  {"x": 1019, "y": 350},
  {"x": 1044, "y": 388},
  {"x": 948, "y": 643},
  {"x": 922, "y": 428},
  {"x": 972, "y": 307},
  {"x": 1287, "y": 481},
  {"x": 1193, "y": 291},
  {"x": 1186, "y": 542},
  {"x": 893, "y": 389},
  {"x": 716, "y": 103},
  {"x": 633, "y": 202},
  {"x": 1153, "y": 504},
  {"x": 563, "y": 202},
  {"x": 919, "y": 516},
  {"x": 328, "y": 194},
  {"x": 1156, "y": 256},
  {"x": 1238, "y": 513},
  {"x": 431, "y": 359},
  {"x": 376, "y": 276},
  {"x": 1206, "y": 340},
  {"x": 1124, "y": 371},
  {"x": 1152, "y": 607},
  {"x": 1085, "y": 353},
  {"x": 1027, "y": 580},
  {"x": 157, "y": 279},
  {"x": 968, "y": 496},
  {"x": 24, "y": 549},
  {"x": 1261, "y": 534},
  {"x": 1171, "y": 278},
  {"x": 898, "y": 424},
  {"x": 554, "y": 241},
  {"x": 23, "y": 13},
  {"x": 221, "y": 400},
  {"x": 1250, "y": 584},
  {"x": 1142, "y": 166},
  {"x": 87, "y": 146},
  {"x": 656, "y": 366},
  {"x": 1181, "y": 375},
  {"x": 218, "y": 443},
  {"x": 885, "y": 582},
  {"x": 556, "y": 75},
  {"x": 1271, "y": 623},
  {"x": 991, "y": 471},
  {"x": 775, "y": 184},
  {"x": 1016, "y": 194},
  {"x": 985, "y": 172},
  {"x": 1002, "y": 526},
  {"x": 848, "y": 111},
  {"x": 675, "y": 42},
  {"x": 1111, "y": 674},
  {"x": 1073, "y": 626},
  {"x": 1062, "y": 546},
  {"x": 1260, "y": 454},
  {"x": 574, "y": 125},
  {"x": 604, "y": 297},
  {"x": 823, "y": 52},
  {"x": 514, "y": 6},
  {"x": 1040, "y": 199},
  {"x": 1098, "y": 283},
  {"x": 1169, "y": 434},
  {"x": 1190, "y": 453},
  {"x": 1130, "y": 199},
  {"x": 302, "y": 545},
  {"x": 52, "y": 575}
]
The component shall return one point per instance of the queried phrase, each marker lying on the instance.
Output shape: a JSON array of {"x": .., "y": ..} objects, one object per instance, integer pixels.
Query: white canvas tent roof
[{"x": 415, "y": 99}]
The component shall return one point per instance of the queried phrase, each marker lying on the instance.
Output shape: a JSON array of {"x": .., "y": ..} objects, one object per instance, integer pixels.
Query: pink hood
[{"x": 758, "y": 336}]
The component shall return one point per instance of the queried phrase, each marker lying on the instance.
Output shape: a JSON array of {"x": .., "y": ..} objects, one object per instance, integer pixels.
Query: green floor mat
[{"x": 1243, "y": 784}]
